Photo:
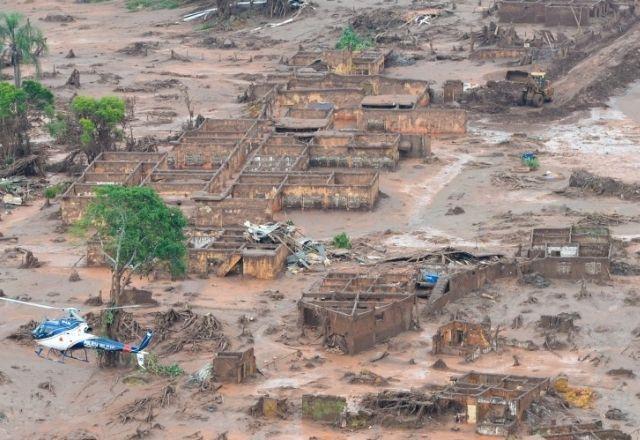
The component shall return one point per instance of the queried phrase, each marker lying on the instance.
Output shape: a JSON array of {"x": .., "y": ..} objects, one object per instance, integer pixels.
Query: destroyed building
[
  {"x": 553, "y": 12},
  {"x": 260, "y": 251},
  {"x": 247, "y": 169},
  {"x": 234, "y": 366},
  {"x": 226, "y": 250},
  {"x": 369, "y": 62},
  {"x": 462, "y": 339},
  {"x": 319, "y": 141},
  {"x": 495, "y": 403},
  {"x": 355, "y": 311},
  {"x": 572, "y": 253},
  {"x": 108, "y": 168},
  {"x": 469, "y": 273}
]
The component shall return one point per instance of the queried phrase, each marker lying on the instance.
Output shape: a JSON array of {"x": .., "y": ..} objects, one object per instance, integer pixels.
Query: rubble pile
[
  {"x": 604, "y": 186},
  {"x": 577, "y": 397},
  {"x": 495, "y": 97},
  {"x": 16, "y": 190},
  {"x": 304, "y": 251}
]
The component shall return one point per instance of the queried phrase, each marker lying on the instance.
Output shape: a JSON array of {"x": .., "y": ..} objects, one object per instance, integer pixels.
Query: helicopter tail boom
[{"x": 144, "y": 343}]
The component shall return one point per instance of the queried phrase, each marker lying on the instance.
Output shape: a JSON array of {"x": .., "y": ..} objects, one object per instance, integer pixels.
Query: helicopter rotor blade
[
  {"x": 133, "y": 306},
  {"x": 26, "y": 303}
]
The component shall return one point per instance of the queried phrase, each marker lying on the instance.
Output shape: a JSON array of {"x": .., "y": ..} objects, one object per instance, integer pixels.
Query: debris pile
[
  {"x": 23, "y": 334},
  {"x": 615, "y": 414},
  {"x": 58, "y": 18},
  {"x": 600, "y": 219},
  {"x": 142, "y": 410},
  {"x": 139, "y": 48},
  {"x": 604, "y": 186},
  {"x": 575, "y": 396},
  {"x": 150, "y": 86},
  {"x": 365, "y": 377},
  {"x": 186, "y": 329},
  {"x": 16, "y": 190},
  {"x": 270, "y": 407},
  {"x": 376, "y": 21},
  {"x": 495, "y": 97},
  {"x": 621, "y": 372},
  {"x": 562, "y": 322},
  {"x": 401, "y": 408},
  {"x": 501, "y": 36},
  {"x": 305, "y": 251},
  {"x": 535, "y": 279},
  {"x": 513, "y": 181},
  {"x": 202, "y": 379}
]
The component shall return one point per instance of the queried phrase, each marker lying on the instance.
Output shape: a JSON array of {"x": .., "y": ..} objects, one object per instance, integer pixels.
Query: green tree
[
  {"x": 16, "y": 106},
  {"x": 99, "y": 123},
  {"x": 24, "y": 42},
  {"x": 136, "y": 232}
]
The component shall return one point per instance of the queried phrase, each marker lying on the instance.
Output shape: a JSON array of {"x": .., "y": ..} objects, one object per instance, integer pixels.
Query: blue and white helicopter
[{"x": 70, "y": 333}]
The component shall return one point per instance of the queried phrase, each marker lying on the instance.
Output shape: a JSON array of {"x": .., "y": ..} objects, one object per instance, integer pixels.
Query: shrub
[
  {"x": 51, "y": 192},
  {"x": 350, "y": 40},
  {"x": 342, "y": 241},
  {"x": 531, "y": 162},
  {"x": 155, "y": 367}
]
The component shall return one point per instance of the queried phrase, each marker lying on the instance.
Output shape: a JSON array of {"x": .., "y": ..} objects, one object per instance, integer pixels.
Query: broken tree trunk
[
  {"x": 32, "y": 164},
  {"x": 74, "y": 79}
]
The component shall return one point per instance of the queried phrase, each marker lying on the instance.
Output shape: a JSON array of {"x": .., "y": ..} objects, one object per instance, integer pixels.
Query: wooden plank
[{"x": 228, "y": 265}]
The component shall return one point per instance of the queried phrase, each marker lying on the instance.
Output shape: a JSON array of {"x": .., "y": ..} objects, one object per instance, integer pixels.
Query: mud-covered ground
[{"x": 479, "y": 172}]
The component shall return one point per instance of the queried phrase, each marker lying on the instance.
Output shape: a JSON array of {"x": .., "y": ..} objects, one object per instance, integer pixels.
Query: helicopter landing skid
[{"x": 62, "y": 354}]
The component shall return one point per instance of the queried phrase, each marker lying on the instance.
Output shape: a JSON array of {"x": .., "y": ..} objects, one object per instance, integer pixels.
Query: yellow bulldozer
[{"x": 537, "y": 89}]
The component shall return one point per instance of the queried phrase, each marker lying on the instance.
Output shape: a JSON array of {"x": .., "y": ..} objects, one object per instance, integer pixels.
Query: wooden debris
[
  {"x": 144, "y": 407},
  {"x": 379, "y": 356}
]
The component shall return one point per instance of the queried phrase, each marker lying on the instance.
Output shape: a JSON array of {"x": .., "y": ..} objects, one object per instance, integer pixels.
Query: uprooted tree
[
  {"x": 137, "y": 233},
  {"x": 18, "y": 106}
]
